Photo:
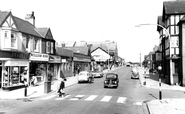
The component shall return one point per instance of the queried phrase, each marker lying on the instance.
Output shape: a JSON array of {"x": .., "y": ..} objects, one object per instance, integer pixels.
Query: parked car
[
  {"x": 135, "y": 73},
  {"x": 111, "y": 80},
  {"x": 85, "y": 76},
  {"x": 97, "y": 73}
]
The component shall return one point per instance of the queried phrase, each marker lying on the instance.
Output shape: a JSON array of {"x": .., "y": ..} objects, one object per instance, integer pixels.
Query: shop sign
[
  {"x": 39, "y": 57},
  {"x": 81, "y": 59},
  {"x": 16, "y": 63},
  {"x": 54, "y": 59},
  {"x": 64, "y": 61},
  {"x": 16, "y": 55}
]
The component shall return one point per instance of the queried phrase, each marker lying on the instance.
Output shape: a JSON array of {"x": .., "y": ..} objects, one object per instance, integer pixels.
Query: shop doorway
[{"x": 0, "y": 76}]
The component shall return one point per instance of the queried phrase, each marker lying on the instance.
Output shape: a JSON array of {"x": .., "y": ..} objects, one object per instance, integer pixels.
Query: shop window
[{"x": 14, "y": 76}]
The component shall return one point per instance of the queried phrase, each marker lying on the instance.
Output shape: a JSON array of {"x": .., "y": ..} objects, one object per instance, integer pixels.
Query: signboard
[
  {"x": 15, "y": 55},
  {"x": 54, "y": 59},
  {"x": 81, "y": 59},
  {"x": 39, "y": 57},
  {"x": 16, "y": 63}
]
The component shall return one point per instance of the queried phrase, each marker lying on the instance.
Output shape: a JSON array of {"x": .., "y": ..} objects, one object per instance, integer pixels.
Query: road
[{"x": 85, "y": 98}]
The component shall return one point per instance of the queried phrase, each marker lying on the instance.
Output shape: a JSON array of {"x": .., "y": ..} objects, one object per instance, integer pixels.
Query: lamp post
[
  {"x": 171, "y": 75},
  {"x": 160, "y": 93}
]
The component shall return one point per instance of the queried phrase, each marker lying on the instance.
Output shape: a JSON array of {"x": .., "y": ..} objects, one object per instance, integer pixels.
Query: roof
[
  {"x": 174, "y": 7},
  {"x": 159, "y": 21},
  {"x": 25, "y": 27},
  {"x": 43, "y": 31},
  {"x": 3, "y": 16},
  {"x": 82, "y": 50},
  {"x": 64, "y": 52}
]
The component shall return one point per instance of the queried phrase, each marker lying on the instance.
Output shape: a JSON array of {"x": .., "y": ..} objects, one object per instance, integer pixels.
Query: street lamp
[
  {"x": 171, "y": 75},
  {"x": 160, "y": 93}
]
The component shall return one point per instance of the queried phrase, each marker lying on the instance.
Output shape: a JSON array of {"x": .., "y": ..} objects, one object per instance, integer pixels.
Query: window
[
  {"x": 6, "y": 39},
  {"x": 13, "y": 40},
  {"x": 52, "y": 48},
  {"x": 172, "y": 20},
  {"x": 36, "y": 44},
  {"x": 47, "y": 47},
  {"x": 27, "y": 42}
]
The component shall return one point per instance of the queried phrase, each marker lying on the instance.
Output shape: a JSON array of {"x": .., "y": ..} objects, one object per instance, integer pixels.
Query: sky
[{"x": 96, "y": 20}]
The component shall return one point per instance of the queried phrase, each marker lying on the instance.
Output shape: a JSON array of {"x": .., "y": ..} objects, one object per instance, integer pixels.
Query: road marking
[
  {"x": 106, "y": 98},
  {"x": 138, "y": 103},
  {"x": 61, "y": 98},
  {"x": 121, "y": 100},
  {"x": 77, "y": 97},
  {"x": 49, "y": 97},
  {"x": 90, "y": 98}
]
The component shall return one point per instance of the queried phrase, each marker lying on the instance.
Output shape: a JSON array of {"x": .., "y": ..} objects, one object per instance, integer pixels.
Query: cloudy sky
[{"x": 96, "y": 20}]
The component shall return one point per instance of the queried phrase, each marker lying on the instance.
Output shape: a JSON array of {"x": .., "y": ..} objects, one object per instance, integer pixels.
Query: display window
[{"x": 14, "y": 75}]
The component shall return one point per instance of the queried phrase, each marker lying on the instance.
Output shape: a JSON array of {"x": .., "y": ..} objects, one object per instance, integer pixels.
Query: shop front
[
  {"x": 81, "y": 62},
  {"x": 54, "y": 67},
  {"x": 14, "y": 69},
  {"x": 38, "y": 67}
]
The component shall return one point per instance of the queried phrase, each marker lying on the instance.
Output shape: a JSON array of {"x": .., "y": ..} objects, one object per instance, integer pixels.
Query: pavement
[
  {"x": 38, "y": 91},
  {"x": 163, "y": 106}
]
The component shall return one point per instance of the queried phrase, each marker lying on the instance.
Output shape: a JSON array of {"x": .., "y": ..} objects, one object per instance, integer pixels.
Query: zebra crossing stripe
[
  {"x": 49, "y": 97},
  {"x": 77, "y": 97},
  {"x": 90, "y": 98},
  {"x": 106, "y": 98},
  {"x": 61, "y": 98},
  {"x": 121, "y": 100}
]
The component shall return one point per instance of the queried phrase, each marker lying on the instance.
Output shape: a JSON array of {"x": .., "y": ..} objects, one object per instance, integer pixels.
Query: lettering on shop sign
[
  {"x": 39, "y": 57},
  {"x": 19, "y": 55}
]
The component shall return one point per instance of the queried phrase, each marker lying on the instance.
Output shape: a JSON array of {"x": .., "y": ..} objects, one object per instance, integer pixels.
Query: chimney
[{"x": 30, "y": 18}]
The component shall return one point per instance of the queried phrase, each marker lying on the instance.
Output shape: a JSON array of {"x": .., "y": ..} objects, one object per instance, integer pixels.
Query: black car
[{"x": 111, "y": 80}]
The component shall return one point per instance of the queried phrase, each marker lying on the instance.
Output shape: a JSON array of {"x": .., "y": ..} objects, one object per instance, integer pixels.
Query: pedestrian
[{"x": 61, "y": 87}]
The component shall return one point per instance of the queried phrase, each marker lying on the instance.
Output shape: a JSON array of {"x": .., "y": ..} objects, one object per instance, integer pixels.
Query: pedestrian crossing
[{"x": 116, "y": 99}]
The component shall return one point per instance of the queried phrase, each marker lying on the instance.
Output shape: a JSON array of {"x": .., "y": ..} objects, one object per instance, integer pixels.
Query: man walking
[{"x": 61, "y": 87}]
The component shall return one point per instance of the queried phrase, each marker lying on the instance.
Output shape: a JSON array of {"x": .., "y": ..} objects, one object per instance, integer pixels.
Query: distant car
[
  {"x": 97, "y": 74},
  {"x": 111, "y": 80},
  {"x": 85, "y": 76},
  {"x": 135, "y": 73}
]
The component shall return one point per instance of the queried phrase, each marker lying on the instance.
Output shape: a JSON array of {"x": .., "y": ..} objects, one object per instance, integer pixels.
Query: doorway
[{"x": 0, "y": 76}]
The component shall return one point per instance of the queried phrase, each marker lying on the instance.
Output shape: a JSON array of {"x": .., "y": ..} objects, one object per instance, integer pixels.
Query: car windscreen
[{"x": 111, "y": 76}]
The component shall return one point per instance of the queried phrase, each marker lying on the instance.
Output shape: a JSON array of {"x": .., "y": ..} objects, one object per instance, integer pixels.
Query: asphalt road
[{"x": 85, "y": 98}]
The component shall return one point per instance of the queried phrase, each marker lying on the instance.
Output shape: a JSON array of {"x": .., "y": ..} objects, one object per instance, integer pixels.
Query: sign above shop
[
  {"x": 54, "y": 59},
  {"x": 39, "y": 57},
  {"x": 12, "y": 54},
  {"x": 16, "y": 63}
]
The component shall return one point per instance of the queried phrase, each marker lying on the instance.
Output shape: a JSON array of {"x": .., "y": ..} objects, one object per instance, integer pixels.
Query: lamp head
[{"x": 159, "y": 68}]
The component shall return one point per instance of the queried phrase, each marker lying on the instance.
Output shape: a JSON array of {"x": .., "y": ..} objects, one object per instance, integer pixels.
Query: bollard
[
  {"x": 160, "y": 93},
  {"x": 25, "y": 91}
]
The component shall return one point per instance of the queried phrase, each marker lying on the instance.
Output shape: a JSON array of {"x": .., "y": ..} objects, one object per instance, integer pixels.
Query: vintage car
[
  {"x": 134, "y": 73},
  {"x": 97, "y": 73},
  {"x": 85, "y": 76},
  {"x": 111, "y": 80}
]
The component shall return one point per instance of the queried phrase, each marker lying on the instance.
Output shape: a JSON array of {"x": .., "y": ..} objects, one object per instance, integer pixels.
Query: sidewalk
[
  {"x": 164, "y": 106},
  {"x": 38, "y": 91},
  {"x": 34, "y": 92}
]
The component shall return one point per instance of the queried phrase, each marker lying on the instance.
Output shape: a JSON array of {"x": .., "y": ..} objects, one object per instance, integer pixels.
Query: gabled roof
[
  {"x": 159, "y": 21},
  {"x": 3, "y": 16},
  {"x": 173, "y": 7},
  {"x": 99, "y": 48},
  {"x": 43, "y": 31},
  {"x": 25, "y": 27}
]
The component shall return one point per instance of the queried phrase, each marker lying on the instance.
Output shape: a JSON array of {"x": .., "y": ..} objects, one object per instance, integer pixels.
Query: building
[
  {"x": 25, "y": 51},
  {"x": 170, "y": 45}
]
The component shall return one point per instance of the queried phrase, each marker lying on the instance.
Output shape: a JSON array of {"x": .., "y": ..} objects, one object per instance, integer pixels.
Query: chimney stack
[{"x": 30, "y": 18}]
